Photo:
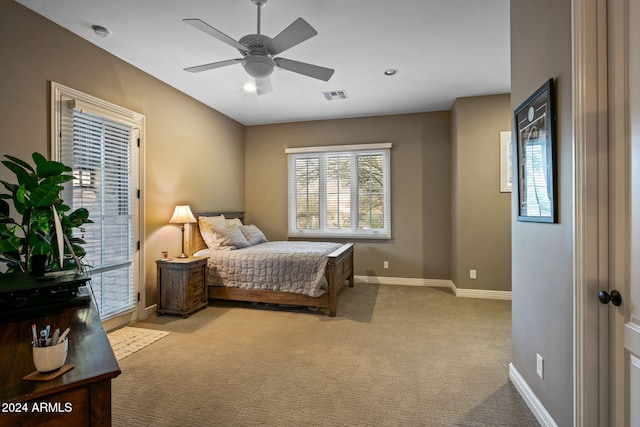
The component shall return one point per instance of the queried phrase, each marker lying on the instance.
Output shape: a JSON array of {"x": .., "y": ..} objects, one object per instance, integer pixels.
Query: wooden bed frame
[{"x": 339, "y": 270}]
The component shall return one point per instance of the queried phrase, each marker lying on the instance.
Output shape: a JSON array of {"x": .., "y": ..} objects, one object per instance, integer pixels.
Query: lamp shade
[{"x": 182, "y": 215}]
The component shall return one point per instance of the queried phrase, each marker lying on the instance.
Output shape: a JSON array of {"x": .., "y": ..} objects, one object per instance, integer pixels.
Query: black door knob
[{"x": 614, "y": 297}]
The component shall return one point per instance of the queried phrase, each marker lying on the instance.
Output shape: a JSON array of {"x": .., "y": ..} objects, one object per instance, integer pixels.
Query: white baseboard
[
  {"x": 405, "y": 281},
  {"x": 436, "y": 283},
  {"x": 151, "y": 310},
  {"x": 483, "y": 293},
  {"x": 538, "y": 410}
]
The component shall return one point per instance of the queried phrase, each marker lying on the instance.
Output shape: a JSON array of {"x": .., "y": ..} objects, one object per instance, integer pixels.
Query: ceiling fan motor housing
[{"x": 257, "y": 62}]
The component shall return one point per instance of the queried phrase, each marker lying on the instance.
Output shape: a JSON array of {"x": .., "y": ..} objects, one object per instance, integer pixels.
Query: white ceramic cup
[{"x": 50, "y": 358}]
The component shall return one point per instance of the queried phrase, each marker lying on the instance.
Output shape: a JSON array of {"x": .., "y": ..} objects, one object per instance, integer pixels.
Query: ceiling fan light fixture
[{"x": 258, "y": 67}]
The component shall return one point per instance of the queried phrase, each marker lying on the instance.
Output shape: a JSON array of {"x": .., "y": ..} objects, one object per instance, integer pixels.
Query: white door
[
  {"x": 624, "y": 123},
  {"x": 101, "y": 143}
]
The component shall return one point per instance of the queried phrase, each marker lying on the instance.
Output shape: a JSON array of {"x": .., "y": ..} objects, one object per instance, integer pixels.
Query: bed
[{"x": 330, "y": 263}]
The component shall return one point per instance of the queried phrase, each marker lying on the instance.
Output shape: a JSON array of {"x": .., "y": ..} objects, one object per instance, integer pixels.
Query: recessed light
[
  {"x": 100, "y": 31},
  {"x": 249, "y": 87},
  {"x": 390, "y": 72}
]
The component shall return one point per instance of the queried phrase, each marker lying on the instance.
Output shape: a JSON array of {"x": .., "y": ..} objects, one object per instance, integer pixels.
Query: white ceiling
[{"x": 443, "y": 50}]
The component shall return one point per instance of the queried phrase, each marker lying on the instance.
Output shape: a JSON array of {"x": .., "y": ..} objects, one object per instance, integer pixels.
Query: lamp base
[{"x": 183, "y": 256}]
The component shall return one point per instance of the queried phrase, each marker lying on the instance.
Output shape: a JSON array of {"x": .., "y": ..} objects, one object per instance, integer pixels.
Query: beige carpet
[
  {"x": 394, "y": 356},
  {"x": 126, "y": 341}
]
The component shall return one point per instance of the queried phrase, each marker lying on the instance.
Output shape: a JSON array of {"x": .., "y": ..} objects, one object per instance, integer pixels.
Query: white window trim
[
  {"x": 337, "y": 148},
  {"x": 382, "y": 234}
]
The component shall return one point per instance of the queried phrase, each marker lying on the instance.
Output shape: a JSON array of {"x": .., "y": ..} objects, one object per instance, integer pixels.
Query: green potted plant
[{"x": 33, "y": 243}]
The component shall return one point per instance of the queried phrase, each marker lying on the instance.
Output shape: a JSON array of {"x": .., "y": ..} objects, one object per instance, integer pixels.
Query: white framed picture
[{"x": 505, "y": 162}]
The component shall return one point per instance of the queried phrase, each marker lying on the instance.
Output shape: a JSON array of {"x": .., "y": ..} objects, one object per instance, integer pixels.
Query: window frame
[{"x": 323, "y": 153}]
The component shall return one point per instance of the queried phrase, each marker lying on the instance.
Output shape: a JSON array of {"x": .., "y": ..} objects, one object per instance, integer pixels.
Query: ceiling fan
[{"x": 259, "y": 51}]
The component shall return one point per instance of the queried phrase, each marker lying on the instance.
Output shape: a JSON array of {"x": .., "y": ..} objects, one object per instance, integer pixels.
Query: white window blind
[
  {"x": 99, "y": 150},
  {"x": 340, "y": 191}
]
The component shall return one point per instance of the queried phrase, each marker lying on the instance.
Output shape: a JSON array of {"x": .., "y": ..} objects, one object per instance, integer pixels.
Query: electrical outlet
[
  {"x": 472, "y": 274},
  {"x": 386, "y": 264},
  {"x": 540, "y": 366}
]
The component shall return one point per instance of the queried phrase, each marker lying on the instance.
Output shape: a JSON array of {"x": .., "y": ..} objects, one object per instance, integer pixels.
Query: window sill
[{"x": 329, "y": 235}]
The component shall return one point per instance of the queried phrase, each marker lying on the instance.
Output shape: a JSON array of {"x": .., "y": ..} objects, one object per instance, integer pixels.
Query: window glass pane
[
  {"x": 307, "y": 193},
  {"x": 370, "y": 191},
  {"x": 338, "y": 192}
]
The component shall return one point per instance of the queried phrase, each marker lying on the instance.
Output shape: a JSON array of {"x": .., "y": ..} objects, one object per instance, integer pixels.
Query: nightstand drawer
[
  {"x": 195, "y": 285},
  {"x": 195, "y": 299},
  {"x": 195, "y": 274}
]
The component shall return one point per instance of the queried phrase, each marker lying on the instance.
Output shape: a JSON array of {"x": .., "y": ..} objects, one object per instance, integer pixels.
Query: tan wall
[
  {"x": 194, "y": 154},
  {"x": 543, "y": 253},
  {"x": 420, "y": 185},
  {"x": 481, "y": 230}
]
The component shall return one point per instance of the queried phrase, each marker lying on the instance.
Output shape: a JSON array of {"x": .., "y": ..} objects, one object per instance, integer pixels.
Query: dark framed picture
[{"x": 535, "y": 154}]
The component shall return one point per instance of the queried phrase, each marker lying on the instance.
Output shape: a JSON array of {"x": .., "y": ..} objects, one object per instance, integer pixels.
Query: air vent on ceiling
[{"x": 334, "y": 95}]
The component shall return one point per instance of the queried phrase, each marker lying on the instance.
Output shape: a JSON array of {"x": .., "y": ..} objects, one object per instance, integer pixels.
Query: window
[
  {"x": 340, "y": 191},
  {"x": 100, "y": 143}
]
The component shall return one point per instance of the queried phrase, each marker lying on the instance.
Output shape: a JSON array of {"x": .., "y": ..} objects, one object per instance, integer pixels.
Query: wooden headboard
[{"x": 195, "y": 241}]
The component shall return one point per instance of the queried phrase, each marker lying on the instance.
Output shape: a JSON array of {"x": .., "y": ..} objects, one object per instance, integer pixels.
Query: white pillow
[
  {"x": 230, "y": 238},
  {"x": 253, "y": 234},
  {"x": 233, "y": 221},
  {"x": 208, "y": 225}
]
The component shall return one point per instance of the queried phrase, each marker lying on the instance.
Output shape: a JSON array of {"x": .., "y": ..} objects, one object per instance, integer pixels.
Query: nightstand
[{"x": 182, "y": 285}]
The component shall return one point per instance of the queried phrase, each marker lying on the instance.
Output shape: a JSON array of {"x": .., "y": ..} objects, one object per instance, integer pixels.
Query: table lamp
[{"x": 182, "y": 215}]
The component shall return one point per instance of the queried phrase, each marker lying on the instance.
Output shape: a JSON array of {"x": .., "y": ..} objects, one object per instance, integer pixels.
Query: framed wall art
[{"x": 535, "y": 156}]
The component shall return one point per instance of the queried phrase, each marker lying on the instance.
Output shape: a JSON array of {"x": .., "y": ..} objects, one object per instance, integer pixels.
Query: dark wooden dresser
[{"x": 80, "y": 397}]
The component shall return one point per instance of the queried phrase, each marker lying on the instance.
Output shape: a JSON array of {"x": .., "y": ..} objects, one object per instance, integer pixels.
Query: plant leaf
[
  {"x": 4, "y": 208},
  {"x": 21, "y": 163},
  {"x": 46, "y": 168},
  {"x": 24, "y": 177},
  {"x": 57, "y": 179},
  {"x": 9, "y": 186},
  {"x": 19, "y": 200},
  {"x": 79, "y": 216},
  {"x": 45, "y": 195}
]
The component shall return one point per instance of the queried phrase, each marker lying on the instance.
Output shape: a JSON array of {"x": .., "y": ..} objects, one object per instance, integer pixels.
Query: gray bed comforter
[{"x": 296, "y": 267}]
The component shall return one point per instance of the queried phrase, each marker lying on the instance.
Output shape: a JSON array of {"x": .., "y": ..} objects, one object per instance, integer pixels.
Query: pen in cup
[
  {"x": 34, "y": 335},
  {"x": 63, "y": 336},
  {"x": 56, "y": 335}
]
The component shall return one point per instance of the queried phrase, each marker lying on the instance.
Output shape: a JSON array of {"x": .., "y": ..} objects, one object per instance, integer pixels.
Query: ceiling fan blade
[
  {"x": 212, "y": 65},
  {"x": 203, "y": 26},
  {"x": 263, "y": 86},
  {"x": 315, "y": 71},
  {"x": 296, "y": 33}
]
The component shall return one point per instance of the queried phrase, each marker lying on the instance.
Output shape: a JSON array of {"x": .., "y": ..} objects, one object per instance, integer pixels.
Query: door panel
[
  {"x": 632, "y": 326},
  {"x": 624, "y": 83}
]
